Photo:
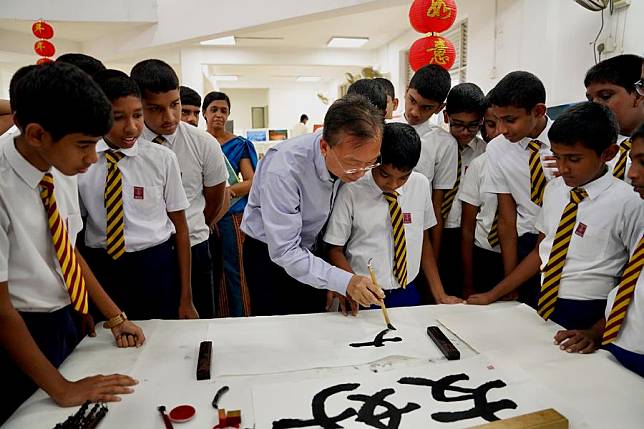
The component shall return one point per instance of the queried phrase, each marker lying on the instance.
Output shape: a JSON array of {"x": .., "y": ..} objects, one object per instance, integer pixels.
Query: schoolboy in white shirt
[
  {"x": 385, "y": 216},
  {"x": 137, "y": 234},
  {"x": 588, "y": 222},
  {"x": 202, "y": 165},
  {"x": 44, "y": 282}
]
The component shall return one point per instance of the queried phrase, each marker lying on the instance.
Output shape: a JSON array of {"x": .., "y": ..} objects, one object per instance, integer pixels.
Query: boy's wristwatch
[{"x": 115, "y": 321}]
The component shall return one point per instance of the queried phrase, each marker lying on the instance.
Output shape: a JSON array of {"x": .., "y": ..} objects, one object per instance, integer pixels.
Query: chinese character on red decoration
[
  {"x": 432, "y": 50},
  {"x": 42, "y": 30},
  {"x": 432, "y": 16}
]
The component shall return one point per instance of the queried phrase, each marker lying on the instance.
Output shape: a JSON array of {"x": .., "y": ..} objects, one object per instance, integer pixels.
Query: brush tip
[{"x": 390, "y": 326}]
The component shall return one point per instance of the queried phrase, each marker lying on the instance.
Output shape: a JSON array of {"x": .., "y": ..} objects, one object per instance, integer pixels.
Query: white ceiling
[{"x": 74, "y": 31}]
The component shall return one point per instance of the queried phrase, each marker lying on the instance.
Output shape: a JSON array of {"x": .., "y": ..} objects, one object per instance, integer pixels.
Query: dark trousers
[
  {"x": 407, "y": 297},
  {"x": 203, "y": 288},
  {"x": 144, "y": 284},
  {"x": 450, "y": 262},
  {"x": 578, "y": 314},
  {"x": 487, "y": 267},
  {"x": 631, "y": 360},
  {"x": 528, "y": 291},
  {"x": 272, "y": 290},
  {"x": 56, "y": 334}
]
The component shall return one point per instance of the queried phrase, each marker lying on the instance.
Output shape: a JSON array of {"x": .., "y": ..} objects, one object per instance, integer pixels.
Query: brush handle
[{"x": 372, "y": 273}]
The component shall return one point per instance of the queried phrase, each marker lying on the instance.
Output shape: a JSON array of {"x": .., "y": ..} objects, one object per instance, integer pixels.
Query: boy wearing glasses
[
  {"x": 386, "y": 217},
  {"x": 614, "y": 83},
  {"x": 464, "y": 110}
]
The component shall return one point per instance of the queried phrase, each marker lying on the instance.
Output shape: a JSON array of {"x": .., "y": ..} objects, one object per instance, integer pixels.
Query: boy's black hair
[
  {"x": 79, "y": 104},
  {"x": 19, "y": 74},
  {"x": 387, "y": 86},
  {"x": 400, "y": 146},
  {"x": 214, "y": 96},
  {"x": 622, "y": 70},
  {"x": 304, "y": 117},
  {"x": 519, "y": 89},
  {"x": 589, "y": 124},
  {"x": 89, "y": 65},
  {"x": 354, "y": 115},
  {"x": 465, "y": 98},
  {"x": 638, "y": 133},
  {"x": 372, "y": 90},
  {"x": 154, "y": 76},
  {"x": 432, "y": 82},
  {"x": 189, "y": 96},
  {"x": 116, "y": 84}
]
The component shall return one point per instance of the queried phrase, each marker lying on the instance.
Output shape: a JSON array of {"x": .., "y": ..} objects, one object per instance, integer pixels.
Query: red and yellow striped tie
[
  {"x": 115, "y": 225},
  {"x": 493, "y": 235},
  {"x": 537, "y": 178},
  {"x": 451, "y": 194},
  {"x": 69, "y": 266},
  {"x": 620, "y": 167},
  {"x": 624, "y": 296},
  {"x": 400, "y": 243},
  {"x": 554, "y": 267}
]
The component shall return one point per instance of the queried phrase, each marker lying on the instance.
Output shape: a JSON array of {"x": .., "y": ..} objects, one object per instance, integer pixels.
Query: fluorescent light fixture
[
  {"x": 347, "y": 42},
  {"x": 222, "y": 41},
  {"x": 224, "y": 77},
  {"x": 308, "y": 79}
]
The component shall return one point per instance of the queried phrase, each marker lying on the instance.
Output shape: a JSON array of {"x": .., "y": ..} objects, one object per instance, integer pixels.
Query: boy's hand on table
[
  {"x": 98, "y": 388},
  {"x": 480, "y": 299},
  {"x": 128, "y": 334},
  {"x": 577, "y": 340},
  {"x": 449, "y": 299}
]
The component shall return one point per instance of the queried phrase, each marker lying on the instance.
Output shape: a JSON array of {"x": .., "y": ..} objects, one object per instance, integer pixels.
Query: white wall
[
  {"x": 550, "y": 38},
  {"x": 241, "y": 101},
  {"x": 287, "y": 104}
]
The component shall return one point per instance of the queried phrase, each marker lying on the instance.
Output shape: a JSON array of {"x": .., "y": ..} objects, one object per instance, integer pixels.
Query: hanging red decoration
[
  {"x": 432, "y": 50},
  {"x": 44, "y": 60},
  {"x": 432, "y": 16},
  {"x": 42, "y": 30},
  {"x": 44, "y": 48}
]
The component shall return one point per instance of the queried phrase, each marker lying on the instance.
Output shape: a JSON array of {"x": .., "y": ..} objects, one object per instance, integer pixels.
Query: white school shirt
[
  {"x": 201, "y": 163},
  {"x": 609, "y": 222},
  {"x": 27, "y": 257},
  {"x": 612, "y": 162},
  {"x": 360, "y": 220},
  {"x": 471, "y": 151},
  {"x": 472, "y": 193},
  {"x": 151, "y": 188},
  {"x": 631, "y": 334},
  {"x": 508, "y": 172},
  {"x": 438, "y": 155}
]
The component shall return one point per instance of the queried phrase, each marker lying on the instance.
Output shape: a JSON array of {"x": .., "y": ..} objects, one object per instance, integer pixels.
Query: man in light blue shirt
[{"x": 289, "y": 204}]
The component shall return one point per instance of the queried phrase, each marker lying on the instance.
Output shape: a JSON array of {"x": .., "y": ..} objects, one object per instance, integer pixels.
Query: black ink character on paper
[
  {"x": 482, "y": 408},
  {"x": 379, "y": 341}
]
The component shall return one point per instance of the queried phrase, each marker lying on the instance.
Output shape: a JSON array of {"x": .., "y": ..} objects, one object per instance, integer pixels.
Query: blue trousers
[
  {"x": 400, "y": 297},
  {"x": 630, "y": 360},
  {"x": 578, "y": 314},
  {"x": 56, "y": 334}
]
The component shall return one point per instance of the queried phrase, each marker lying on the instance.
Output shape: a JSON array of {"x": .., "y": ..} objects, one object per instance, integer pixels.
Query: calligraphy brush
[
  {"x": 372, "y": 273},
  {"x": 164, "y": 416}
]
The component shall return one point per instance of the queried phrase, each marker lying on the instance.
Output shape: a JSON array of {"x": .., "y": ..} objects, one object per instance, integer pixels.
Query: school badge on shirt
[
  {"x": 138, "y": 192},
  {"x": 406, "y": 217},
  {"x": 581, "y": 229}
]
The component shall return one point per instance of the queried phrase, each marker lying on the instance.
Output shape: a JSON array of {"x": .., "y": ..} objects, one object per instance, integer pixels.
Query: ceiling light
[
  {"x": 308, "y": 79},
  {"x": 224, "y": 77},
  {"x": 222, "y": 41},
  {"x": 347, "y": 42}
]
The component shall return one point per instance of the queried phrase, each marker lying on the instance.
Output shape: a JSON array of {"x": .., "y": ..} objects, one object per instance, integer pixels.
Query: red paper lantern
[
  {"x": 44, "y": 60},
  {"x": 42, "y": 30},
  {"x": 432, "y": 50},
  {"x": 44, "y": 48},
  {"x": 432, "y": 16}
]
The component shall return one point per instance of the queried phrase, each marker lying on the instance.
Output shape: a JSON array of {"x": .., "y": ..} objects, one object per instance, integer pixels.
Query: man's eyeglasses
[
  {"x": 639, "y": 87},
  {"x": 462, "y": 127},
  {"x": 354, "y": 170}
]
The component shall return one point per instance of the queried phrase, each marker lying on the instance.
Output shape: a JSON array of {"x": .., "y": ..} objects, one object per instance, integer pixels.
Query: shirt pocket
[{"x": 144, "y": 200}]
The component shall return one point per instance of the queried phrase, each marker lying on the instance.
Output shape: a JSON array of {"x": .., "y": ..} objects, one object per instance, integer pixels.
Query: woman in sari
[{"x": 233, "y": 297}]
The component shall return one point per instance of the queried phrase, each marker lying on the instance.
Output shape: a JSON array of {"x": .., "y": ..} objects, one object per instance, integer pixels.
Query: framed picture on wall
[
  {"x": 277, "y": 135},
  {"x": 257, "y": 135}
]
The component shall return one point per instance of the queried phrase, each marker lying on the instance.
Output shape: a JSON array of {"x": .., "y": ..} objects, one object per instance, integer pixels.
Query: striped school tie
[
  {"x": 159, "y": 139},
  {"x": 554, "y": 267},
  {"x": 451, "y": 194},
  {"x": 69, "y": 266},
  {"x": 620, "y": 168},
  {"x": 493, "y": 235},
  {"x": 115, "y": 225},
  {"x": 537, "y": 178},
  {"x": 400, "y": 243},
  {"x": 624, "y": 295}
]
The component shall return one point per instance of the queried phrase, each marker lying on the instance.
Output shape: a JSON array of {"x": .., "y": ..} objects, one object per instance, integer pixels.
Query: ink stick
[
  {"x": 203, "y": 361},
  {"x": 441, "y": 341}
]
